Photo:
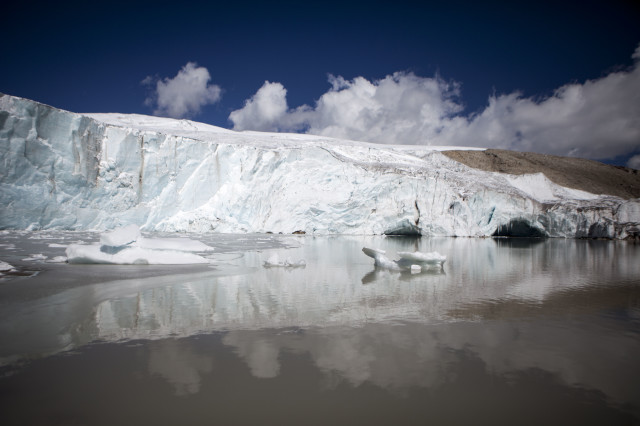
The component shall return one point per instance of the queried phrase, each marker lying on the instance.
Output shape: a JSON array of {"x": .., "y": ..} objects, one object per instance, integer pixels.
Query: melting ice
[{"x": 126, "y": 246}]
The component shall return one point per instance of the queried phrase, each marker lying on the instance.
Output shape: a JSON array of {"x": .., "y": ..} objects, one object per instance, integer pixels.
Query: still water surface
[{"x": 508, "y": 332}]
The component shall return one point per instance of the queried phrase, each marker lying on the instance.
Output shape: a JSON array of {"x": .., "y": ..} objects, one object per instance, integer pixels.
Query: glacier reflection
[
  {"x": 330, "y": 290},
  {"x": 339, "y": 287},
  {"x": 569, "y": 308}
]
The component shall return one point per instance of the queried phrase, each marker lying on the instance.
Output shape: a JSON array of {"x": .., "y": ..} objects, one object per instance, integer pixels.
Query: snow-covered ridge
[
  {"x": 208, "y": 133},
  {"x": 61, "y": 170}
]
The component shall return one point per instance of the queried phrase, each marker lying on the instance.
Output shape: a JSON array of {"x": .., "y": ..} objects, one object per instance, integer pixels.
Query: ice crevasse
[{"x": 62, "y": 170}]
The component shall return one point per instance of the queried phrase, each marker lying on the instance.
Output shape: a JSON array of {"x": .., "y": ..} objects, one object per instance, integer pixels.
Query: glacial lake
[{"x": 509, "y": 331}]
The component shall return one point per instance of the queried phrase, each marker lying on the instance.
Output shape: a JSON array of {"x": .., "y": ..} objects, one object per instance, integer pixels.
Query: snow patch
[{"x": 540, "y": 188}]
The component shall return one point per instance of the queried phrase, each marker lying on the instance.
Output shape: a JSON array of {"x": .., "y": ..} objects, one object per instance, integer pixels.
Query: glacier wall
[{"x": 61, "y": 170}]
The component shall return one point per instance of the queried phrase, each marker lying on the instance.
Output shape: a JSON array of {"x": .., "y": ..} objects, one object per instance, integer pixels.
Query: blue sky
[{"x": 363, "y": 70}]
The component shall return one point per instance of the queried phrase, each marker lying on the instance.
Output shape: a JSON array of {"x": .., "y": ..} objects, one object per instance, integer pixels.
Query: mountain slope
[{"x": 577, "y": 173}]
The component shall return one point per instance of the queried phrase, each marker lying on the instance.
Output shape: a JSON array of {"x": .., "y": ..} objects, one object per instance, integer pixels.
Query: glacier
[{"x": 69, "y": 171}]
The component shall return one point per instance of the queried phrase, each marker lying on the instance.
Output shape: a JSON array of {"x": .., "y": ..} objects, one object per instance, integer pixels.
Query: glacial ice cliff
[{"x": 62, "y": 170}]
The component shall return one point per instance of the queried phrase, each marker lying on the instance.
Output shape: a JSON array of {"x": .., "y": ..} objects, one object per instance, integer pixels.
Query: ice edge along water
[
  {"x": 62, "y": 170},
  {"x": 126, "y": 246}
]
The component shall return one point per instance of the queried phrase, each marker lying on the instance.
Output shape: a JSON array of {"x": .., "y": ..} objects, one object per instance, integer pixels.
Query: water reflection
[
  {"x": 383, "y": 274},
  {"x": 482, "y": 279},
  {"x": 397, "y": 357},
  {"x": 386, "y": 373},
  {"x": 179, "y": 364},
  {"x": 503, "y": 308},
  {"x": 258, "y": 350},
  {"x": 402, "y": 357}
]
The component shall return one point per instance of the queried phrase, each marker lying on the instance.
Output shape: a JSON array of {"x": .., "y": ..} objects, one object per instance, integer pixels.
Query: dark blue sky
[{"x": 91, "y": 57}]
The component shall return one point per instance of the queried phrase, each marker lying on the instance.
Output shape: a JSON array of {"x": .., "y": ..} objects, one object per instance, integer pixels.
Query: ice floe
[
  {"x": 274, "y": 261},
  {"x": 126, "y": 246},
  {"x": 414, "y": 262},
  {"x": 5, "y": 267},
  {"x": 433, "y": 258},
  {"x": 120, "y": 236},
  {"x": 35, "y": 258}
]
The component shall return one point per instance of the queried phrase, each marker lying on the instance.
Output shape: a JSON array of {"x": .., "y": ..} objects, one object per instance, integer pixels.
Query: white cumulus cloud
[
  {"x": 596, "y": 119},
  {"x": 183, "y": 95},
  {"x": 265, "y": 111},
  {"x": 401, "y": 108}
]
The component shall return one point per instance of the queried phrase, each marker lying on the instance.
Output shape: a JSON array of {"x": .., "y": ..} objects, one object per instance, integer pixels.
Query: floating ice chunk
[
  {"x": 274, "y": 261},
  {"x": 56, "y": 245},
  {"x": 180, "y": 244},
  {"x": 130, "y": 236},
  {"x": 130, "y": 256},
  {"x": 35, "y": 257},
  {"x": 408, "y": 260},
  {"x": 291, "y": 264},
  {"x": 433, "y": 258},
  {"x": 373, "y": 252},
  {"x": 381, "y": 259},
  {"x": 57, "y": 259},
  {"x": 121, "y": 236},
  {"x": 5, "y": 267},
  {"x": 416, "y": 269}
]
